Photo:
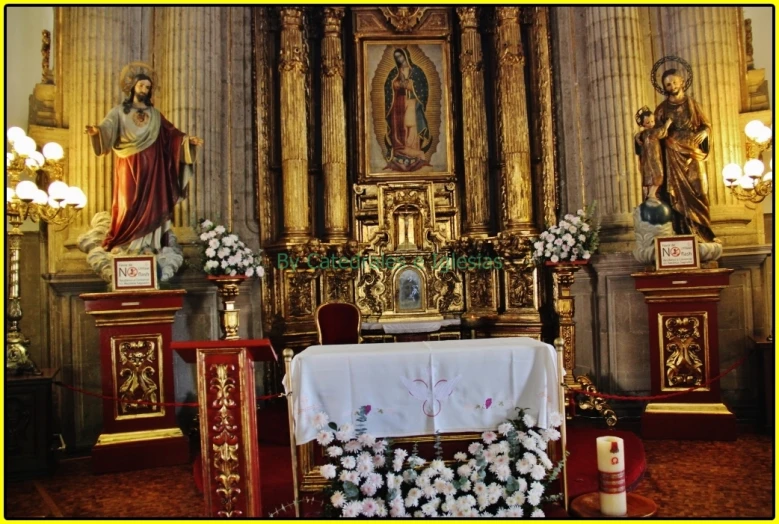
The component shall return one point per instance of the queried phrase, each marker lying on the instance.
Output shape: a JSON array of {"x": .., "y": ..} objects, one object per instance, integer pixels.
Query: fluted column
[
  {"x": 475, "y": 154},
  {"x": 334, "y": 129},
  {"x": 191, "y": 73},
  {"x": 476, "y": 172},
  {"x": 516, "y": 202},
  {"x": 294, "y": 151},
  {"x": 707, "y": 38},
  {"x": 619, "y": 85},
  {"x": 100, "y": 41}
]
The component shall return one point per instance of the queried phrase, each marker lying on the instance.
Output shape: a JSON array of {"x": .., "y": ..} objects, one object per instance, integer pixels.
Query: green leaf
[
  {"x": 333, "y": 426},
  {"x": 351, "y": 490}
]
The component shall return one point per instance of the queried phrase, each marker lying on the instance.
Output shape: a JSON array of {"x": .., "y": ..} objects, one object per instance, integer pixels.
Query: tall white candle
[{"x": 611, "y": 471}]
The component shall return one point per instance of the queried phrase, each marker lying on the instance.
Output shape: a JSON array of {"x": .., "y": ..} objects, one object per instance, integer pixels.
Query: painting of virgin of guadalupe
[{"x": 408, "y": 110}]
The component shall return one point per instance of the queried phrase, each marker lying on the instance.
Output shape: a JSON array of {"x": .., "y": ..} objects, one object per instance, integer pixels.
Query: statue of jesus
[{"x": 153, "y": 166}]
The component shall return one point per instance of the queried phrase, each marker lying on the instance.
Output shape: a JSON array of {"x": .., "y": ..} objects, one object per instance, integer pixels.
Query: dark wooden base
[
  {"x": 588, "y": 506},
  {"x": 137, "y": 454},
  {"x": 688, "y": 422}
]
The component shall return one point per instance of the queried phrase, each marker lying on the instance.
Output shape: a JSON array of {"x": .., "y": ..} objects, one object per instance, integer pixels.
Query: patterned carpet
[{"x": 686, "y": 480}]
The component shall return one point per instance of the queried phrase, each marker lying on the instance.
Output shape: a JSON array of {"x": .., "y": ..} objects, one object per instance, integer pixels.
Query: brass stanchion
[
  {"x": 288, "y": 354},
  {"x": 559, "y": 345}
]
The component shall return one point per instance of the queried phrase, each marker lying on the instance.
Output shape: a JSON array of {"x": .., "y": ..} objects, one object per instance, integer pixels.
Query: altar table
[{"x": 420, "y": 388}]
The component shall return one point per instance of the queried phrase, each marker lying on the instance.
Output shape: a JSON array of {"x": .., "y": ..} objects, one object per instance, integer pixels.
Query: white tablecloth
[{"x": 420, "y": 388}]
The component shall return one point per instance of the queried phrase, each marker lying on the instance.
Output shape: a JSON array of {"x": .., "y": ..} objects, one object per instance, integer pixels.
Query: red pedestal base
[
  {"x": 139, "y": 426},
  {"x": 688, "y": 422},
  {"x": 153, "y": 449},
  {"x": 684, "y": 353}
]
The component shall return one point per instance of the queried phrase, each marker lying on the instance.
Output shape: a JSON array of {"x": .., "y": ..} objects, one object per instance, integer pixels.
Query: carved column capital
[
  {"x": 469, "y": 20},
  {"x": 332, "y": 20}
]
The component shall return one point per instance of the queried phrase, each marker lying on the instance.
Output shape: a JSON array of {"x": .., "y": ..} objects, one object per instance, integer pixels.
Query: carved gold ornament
[
  {"x": 403, "y": 19},
  {"x": 138, "y": 369},
  {"x": 225, "y": 440},
  {"x": 683, "y": 366}
]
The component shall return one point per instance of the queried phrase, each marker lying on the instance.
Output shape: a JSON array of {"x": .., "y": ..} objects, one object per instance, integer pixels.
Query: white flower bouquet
[
  {"x": 506, "y": 474},
  {"x": 575, "y": 238},
  {"x": 224, "y": 254}
]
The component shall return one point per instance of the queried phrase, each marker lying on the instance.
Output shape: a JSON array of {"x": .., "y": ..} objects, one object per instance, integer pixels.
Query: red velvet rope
[
  {"x": 145, "y": 402},
  {"x": 667, "y": 395}
]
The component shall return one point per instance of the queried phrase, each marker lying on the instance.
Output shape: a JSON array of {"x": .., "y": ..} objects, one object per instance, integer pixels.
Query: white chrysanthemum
[
  {"x": 505, "y": 428},
  {"x": 327, "y": 471},
  {"x": 206, "y": 224},
  {"x": 320, "y": 420},
  {"x": 522, "y": 485},
  {"x": 368, "y": 489},
  {"x": 411, "y": 502},
  {"x": 352, "y": 446},
  {"x": 475, "y": 448},
  {"x": 364, "y": 468},
  {"x": 538, "y": 472},
  {"x": 466, "y": 486},
  {"x": 460, "y": 456},
  {"x": 378, "y": 461},
  {"x": 324, "y": 438},
  {"x": 586, "y": 255},
  {"x": 348, "y": 462},
  {"x": 219, "y": 229},
  {"x": 380, "y": 446},
  {"x": 464, "y": 470},
  {"x": 397, "y": 512},
  {"x": 523, "y": 466},
  {"x": 440, "y": 485},
  {"x": 447, "y": 474},
  {"x": 381, "y": 508},
  {"x": 515, "y": 512},
  {"x": 366, "y": 440},
  {"x": 335, "y": 451},
  {"x": 489, "y": 437},
  {"x": 352, "y": 509},
  {"x": 534, "y": 499},
  {"x": 429, "y": 509},
  {"x": 437, "y": 465},
  {"x": 538, "y": 513},
  {"x": 393, "y": 481},
  {"x": 480, "y": 488},
  {"x": 516, "y": 499},
  {"x": 337, "y": 499},
  {"x": 369, "y": 507},
  {"x": 536, "y": 488},
  {"x": 397, "y": 464}
]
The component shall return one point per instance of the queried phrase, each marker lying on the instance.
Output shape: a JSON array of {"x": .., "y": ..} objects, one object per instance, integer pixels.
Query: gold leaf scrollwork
[
  {"x": 447, "y": 290},
  {"x": 225, "y": 443},
  {"x": 480, "y": 291},
  {"x": 138, "y": 369},
  {"x": 403, "y": 19},
  {"x": 292, "y": 60},
  {"x": 595, "y": 402},
  {"x": 521, "y": 291},
  {"x": 683, "y": 366},
  {"x": 300, "y": 297},
  {"x": 371, "y": 288}
]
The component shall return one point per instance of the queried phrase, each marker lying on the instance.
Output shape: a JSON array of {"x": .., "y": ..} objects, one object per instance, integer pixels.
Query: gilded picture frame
[{"x": 405, "y": 110}]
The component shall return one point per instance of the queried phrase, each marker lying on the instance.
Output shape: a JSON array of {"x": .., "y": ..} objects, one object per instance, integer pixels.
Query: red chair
[{"x": 338, "y": 323}]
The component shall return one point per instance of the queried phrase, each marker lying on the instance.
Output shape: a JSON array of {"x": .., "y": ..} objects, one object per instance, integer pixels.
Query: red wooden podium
[
  {"x": 684, "y": 352},
  {"x": 228, "y": 422},
  {"x": 137, "y": 365}
]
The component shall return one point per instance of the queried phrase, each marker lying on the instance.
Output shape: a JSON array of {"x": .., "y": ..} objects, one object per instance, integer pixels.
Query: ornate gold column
[
  {"x": 334, "y": 129},
  {"x": 294, "y": 151},
  {"x": 707, "y": 37},
  {"x": 100, "y": 41},
  {"x": 516, "y": 197},
  {"x": 475, "y": 155},
  {"x": 191, "y": 70},
  {"x": 543, "y": 92},
  {"x": 619, "y": 83}
]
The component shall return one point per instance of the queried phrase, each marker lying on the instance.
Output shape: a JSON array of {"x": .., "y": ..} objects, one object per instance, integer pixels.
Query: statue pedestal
[
  {"x": 684, "y": 352},
  {"x": 227, "y": 409},
  {"x": 137, "y": 365}
]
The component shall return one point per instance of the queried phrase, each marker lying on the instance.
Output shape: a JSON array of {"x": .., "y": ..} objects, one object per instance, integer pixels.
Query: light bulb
[
  {"x": 53, "y": 151},
  {"x": 25, "y": 146},
  {"x": 35, "y": 160},
  {"x": 9, "y": 194},
  {"x": 753, "y": 129},
  {"x": 82, "y": 199},
  {"x": 746, "y": 182},
  {"x": 26, "y": 190},
  {"x": 731, "y": 172},
  {"x": 53, "y": 203},
  {"x": 764, "y": 135},
  {"x": 14, "y": 133},
  {"x": 74, "y": 196},
  {"x": 768, "y": 177},
  {"x": 754, "y": 168},
  {"x": 40, "y": 197},
  {"x": 58, "y": 190},
  {"x": 9, "y": 157}
]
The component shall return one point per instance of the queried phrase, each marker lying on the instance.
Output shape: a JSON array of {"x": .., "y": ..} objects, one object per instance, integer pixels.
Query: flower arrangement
[
  {"x": 225, "y": 254},
  {"x": 506, "y": 474},
  {"x": 576, "y": 237}
]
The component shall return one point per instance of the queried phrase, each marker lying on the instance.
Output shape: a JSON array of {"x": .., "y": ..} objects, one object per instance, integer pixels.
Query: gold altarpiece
[{"x": 336, "y": 178}]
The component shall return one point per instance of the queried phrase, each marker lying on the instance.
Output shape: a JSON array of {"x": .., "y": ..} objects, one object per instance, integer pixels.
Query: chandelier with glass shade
[
  {"x": 59, "y": 204},
  {"x": 752, "y": 183}
]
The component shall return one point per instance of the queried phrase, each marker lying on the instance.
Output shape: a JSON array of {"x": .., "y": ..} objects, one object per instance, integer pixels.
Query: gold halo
[
  {"x": 682, "y": 62},
  {"x": 129, "y": 71}
]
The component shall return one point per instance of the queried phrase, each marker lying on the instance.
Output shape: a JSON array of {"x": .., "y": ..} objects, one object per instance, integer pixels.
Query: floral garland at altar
[{"x": 506, "y": 474}]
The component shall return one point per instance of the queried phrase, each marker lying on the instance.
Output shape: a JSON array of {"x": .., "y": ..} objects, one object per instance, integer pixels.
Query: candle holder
[{"x": 228, "y": 288}]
